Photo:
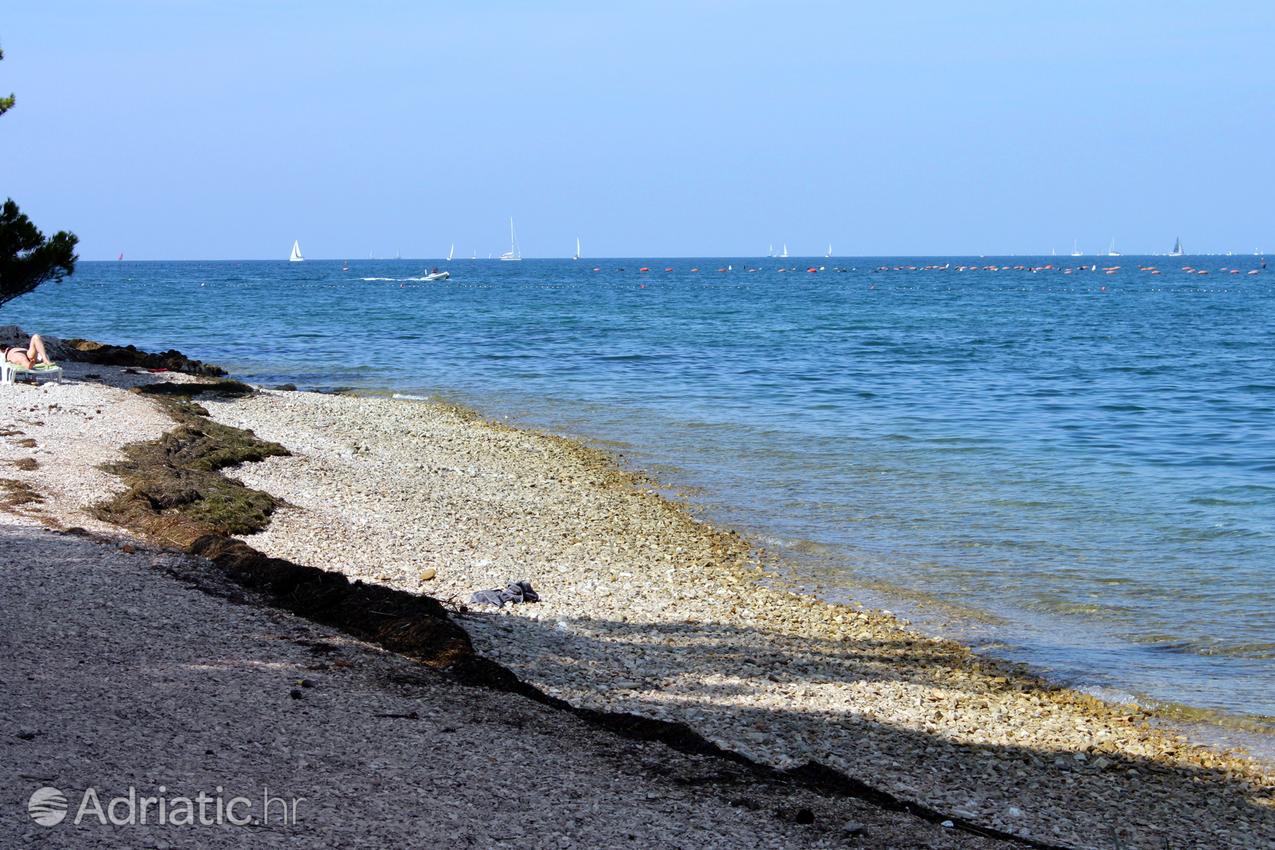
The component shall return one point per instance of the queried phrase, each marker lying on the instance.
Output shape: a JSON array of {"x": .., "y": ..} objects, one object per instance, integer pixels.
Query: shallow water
[{"x": 1084, "y": 463}]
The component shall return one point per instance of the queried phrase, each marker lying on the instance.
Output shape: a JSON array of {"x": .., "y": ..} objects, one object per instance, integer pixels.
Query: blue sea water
[{"x": 1075, "y": 470}]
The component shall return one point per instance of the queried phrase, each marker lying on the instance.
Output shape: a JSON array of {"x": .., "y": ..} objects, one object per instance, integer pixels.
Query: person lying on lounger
[{"x": 27, "y": 357}]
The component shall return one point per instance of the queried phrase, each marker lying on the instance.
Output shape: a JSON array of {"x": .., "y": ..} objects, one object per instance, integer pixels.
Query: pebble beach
[
  {"x": 646, "y": 610},
  {"x": 131, "y": 664}
]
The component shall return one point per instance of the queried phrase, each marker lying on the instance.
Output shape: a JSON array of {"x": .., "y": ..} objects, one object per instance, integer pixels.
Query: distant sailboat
[
  {"x": 1075, "y": 249},
  {"x": 828, "y": 254},
  {"x": 120, "y": 257},
  {"x": 475, "y": 255},
  {"x": 345, "y": 265},
  {"x": 576, "y": 256},
  {"x": 451, "y": 252},
  {"x": 770, "y": 252},
  {"x": 1177, "y": 248},
  {"x": 512, "y": 255},
  {"x": 1111, "y": 251},
  {"x": 784, "y": 253},
  {"x": 295, "y": 257}
]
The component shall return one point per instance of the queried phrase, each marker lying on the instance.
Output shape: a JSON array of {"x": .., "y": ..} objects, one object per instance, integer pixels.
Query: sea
[{"x": 1067, "y": 462}]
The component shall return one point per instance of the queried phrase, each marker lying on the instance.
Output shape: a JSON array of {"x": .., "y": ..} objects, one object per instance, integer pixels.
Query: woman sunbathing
[{"x": 27, "y": 357}]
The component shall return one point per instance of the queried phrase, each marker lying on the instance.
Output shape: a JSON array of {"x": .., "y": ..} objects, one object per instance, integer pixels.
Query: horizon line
[{"x": 635, "y": 257}]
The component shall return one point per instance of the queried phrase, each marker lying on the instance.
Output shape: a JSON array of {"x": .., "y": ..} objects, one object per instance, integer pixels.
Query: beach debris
[
  {"x": 514, "y": 593},
  {"x": 428, "y": 574}
]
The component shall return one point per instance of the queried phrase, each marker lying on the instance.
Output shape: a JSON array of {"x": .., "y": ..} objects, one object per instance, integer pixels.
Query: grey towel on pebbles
[{"x": 515, "y": 592}]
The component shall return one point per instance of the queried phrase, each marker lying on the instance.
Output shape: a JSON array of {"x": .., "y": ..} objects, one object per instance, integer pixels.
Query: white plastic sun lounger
[{"x": 9, "y": 372}]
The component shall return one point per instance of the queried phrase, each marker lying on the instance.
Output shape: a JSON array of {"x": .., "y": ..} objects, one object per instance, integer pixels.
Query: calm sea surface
[{"x": 1077, "y": 470}]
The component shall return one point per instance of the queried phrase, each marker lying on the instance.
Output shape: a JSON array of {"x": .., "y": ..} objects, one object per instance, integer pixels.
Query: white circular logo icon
[{"x": 47, "y": 806}]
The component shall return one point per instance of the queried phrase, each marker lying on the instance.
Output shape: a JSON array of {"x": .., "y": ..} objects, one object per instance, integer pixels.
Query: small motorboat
[{"x": 437, "y": 276}]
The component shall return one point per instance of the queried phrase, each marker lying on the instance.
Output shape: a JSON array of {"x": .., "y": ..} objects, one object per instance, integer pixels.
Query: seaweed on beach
[
  {"x": 414, "y": 625},
  {"x": 178, "y": 494},
  {"x": 226, "y": 388},
  {"x": 17, "y": 493},
  {"x": 176, "y": 490}
]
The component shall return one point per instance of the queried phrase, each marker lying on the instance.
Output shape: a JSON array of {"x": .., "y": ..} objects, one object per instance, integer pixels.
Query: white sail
[
  {"x": 1075, "y": 249},
  {"x": 451, "y": 252},
  {"x": 296, "y": 257},
  {"x": 829, "y": 254},
  {"x": 512, "y": 255},
  {"x": 785, "y": 251},
  {"x": 1111, "y": 251},
  {"x": 577, "y": 254}
]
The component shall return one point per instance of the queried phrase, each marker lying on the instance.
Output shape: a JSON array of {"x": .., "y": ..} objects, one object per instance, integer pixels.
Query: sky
[{"x": 225, "y": 129}]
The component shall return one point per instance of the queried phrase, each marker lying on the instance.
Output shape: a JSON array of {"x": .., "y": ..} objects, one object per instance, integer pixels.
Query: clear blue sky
[{"x": 228, "y": 128}]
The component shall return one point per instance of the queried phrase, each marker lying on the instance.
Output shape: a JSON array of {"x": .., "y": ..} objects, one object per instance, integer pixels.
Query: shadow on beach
[{"x": 690, "y": 671}]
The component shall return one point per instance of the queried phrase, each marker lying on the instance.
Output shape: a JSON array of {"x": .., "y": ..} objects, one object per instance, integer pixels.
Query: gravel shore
[
  {"x": 643, "y": 610},
  {"x": 129, "y": 665},
  {"x": 646, "y": 610}
]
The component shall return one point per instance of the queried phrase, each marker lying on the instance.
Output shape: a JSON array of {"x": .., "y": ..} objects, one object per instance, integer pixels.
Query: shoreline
[
  {"x": 138, "y": 665},
  {"x": 652, "y": 611},
  {"x": 932, "y": 616},
  {"x": 736, "y": 702}
]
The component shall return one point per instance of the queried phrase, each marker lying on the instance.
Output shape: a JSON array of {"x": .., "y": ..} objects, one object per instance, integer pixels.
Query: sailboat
[
  {"x": 475, "y": 255},
  {"x": 770, "y": 252},
  {"x": 1111, "y": 251},
  {"x": 1075, "y": 249},
  {"x": 295, "y": 256},
  {"x": 784, "y": 253},
  {"x": 576, "y": 256},
  {"x": 451, "y": 252},
  {"x": 512, "y": 255},
  {"x": 828, "y": 255},
  {"x": 1177, "y": 248},
  {"x": 345, "y": 266}
]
